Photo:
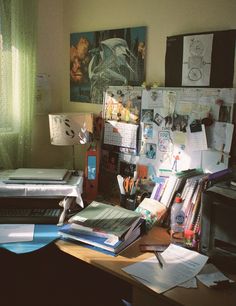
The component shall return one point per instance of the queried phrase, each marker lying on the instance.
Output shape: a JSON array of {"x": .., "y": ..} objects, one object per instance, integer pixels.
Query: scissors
[{"x": 128, "y": 184}]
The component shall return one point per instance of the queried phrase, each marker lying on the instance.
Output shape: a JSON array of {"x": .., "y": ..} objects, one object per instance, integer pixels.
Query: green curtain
[{"x": 17, "y": 80}]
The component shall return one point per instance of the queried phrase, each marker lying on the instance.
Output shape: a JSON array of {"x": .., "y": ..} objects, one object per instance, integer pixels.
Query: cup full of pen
[{"x": 128, "y": 188}]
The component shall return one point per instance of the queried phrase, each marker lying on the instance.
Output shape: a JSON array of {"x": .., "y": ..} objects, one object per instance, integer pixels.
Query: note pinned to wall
[
  {"x": 120, "y": 134},
  {"x": 220, "y": 136},
  {"x": 43, "y": 94},
  {"x": 196, "y": 138}
]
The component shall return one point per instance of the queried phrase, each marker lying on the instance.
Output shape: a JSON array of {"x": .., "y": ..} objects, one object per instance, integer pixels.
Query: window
[
  {"x": 17, "y": 80},
  {"x": 5, "y": 64}
]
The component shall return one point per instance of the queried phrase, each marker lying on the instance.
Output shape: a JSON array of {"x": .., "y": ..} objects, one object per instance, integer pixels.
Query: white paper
[
  {"x": 187, "y": 159},
  {"x": 16, "y": 232},
  {"x": 192, "y": 283},
  {"x": 220, "y": 136},
  {"x": 197, "y": 141},
  {"x": 210, "y": 275},
  {"x": 180, "y": 265},
  {"x": 197, "y": 60},
  {"x": 152, "y": 98},
  {"x": 213, "y": 161},
  {"x": 43, "y": 96},
  {"x": 121, "y": 134}
]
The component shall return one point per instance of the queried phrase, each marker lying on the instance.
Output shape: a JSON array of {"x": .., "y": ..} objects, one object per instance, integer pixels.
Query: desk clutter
[
  {"x": 164, "y": 129},
  {"x": 39, "y": 196},
  {"x": 176, "y": 202},
  {"x": 161, "y": 150},
  {"x": 104, "y": 227}
]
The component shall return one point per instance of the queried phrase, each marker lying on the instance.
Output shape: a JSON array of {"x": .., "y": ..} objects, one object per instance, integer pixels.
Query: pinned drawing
[
  {"x": 123, "y": 104},
  {"x": 175, "y": 163},
  {"x": 164, "y": 141},
  {"x": 197, "y": 52}
]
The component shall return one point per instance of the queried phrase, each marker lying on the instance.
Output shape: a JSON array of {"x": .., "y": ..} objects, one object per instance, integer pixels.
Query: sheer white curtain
[{"x": 17, "y": 80}]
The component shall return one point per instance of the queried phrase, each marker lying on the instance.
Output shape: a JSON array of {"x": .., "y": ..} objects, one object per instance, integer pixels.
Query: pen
[{"x": 159, "y": 258}]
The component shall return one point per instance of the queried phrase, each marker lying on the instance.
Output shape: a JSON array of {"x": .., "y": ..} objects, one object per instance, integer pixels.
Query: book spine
[
  {"x": 90, "y": 231},
  {"x": 169, "y": 191}
]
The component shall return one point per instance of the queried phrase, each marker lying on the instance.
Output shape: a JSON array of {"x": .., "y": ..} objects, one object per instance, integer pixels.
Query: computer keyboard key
[{"x": 30, "y": 215}]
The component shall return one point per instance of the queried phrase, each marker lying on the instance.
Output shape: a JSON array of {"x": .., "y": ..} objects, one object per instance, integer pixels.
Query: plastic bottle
[{"x": 177, "y": 217}]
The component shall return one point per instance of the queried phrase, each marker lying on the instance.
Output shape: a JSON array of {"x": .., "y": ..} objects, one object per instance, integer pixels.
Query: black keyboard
[{"x": 30, "y": 215}]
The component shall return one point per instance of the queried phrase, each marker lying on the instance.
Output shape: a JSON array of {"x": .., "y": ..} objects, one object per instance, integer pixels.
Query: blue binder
[{"x": 43, "y": 235}]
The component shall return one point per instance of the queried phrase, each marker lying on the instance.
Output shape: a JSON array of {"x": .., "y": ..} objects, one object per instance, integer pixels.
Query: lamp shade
[{"x": 70, "y": 128}]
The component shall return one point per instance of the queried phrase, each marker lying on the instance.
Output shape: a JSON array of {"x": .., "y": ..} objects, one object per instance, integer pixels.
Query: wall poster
[
  {"x": 103, "y": 58},
  {"x": 200, "y": 59}
]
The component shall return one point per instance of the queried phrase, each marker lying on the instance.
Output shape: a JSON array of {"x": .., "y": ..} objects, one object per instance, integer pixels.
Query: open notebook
[{"x": 38, "y": 176}]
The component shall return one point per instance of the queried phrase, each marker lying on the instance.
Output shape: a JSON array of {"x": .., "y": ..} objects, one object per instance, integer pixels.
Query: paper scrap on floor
[
  {"x": 16, "y": 232},
  {"x": 191, "y": 283},
  {"x": 180, "y": 265},
  {"x": 210, "y": 276}
]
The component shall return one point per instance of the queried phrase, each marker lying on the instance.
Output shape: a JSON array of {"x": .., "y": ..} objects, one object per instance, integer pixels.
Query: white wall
[{"x": 59, "y": 18}]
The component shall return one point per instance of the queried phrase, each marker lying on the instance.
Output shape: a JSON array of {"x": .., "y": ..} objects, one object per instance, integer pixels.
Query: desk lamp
[{"x": 70, "y": 129}]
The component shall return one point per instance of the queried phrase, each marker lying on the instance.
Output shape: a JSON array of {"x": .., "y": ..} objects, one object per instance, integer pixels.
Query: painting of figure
[{"x": 104, "y": 58}]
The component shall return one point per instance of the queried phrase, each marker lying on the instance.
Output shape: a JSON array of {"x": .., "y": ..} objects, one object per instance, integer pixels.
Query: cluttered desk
[
  {"x": 133, "y": 246},
  {"x": 159, "y": 271},
  {"x": 198, "y": 294}
]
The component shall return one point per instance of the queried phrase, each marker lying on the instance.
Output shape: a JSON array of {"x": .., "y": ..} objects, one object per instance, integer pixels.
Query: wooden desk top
[{"x": 202, "y": 296}]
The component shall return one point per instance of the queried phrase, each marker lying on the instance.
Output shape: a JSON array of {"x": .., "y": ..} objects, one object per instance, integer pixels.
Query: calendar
[{"x": 121, "y": 134}]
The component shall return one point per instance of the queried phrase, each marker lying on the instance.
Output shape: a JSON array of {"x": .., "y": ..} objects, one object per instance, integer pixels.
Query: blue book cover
[{"x": 111, "y": 244}]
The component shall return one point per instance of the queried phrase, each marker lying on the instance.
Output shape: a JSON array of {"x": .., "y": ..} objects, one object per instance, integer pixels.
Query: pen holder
[
  {"x": 123, "y": 200},
  {"x": 128, "y": 201}
]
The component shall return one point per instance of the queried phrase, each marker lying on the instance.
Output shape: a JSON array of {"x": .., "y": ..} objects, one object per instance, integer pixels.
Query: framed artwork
[{"x": 103, "y": 58}]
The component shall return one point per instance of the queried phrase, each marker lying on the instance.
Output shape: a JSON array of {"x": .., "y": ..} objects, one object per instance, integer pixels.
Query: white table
[{"x": 73, "y": 188}]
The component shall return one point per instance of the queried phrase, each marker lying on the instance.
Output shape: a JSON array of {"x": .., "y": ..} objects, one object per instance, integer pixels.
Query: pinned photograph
[
  {"x": 147, "y": 130},
  {"x": 147, "y": 115},
  {"x": 158, "y": 119},
  {"x": 151, "y": 150}
]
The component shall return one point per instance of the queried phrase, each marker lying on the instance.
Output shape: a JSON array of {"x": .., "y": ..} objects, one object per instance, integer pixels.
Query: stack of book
[
  {"x": 191, "y": 195},
  {"x": 107, "y": 228},
  {"x": 174, "y": 184}
]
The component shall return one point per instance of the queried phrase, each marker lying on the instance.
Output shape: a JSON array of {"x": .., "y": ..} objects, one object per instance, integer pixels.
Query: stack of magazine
[{"x": 107, "y": 228}]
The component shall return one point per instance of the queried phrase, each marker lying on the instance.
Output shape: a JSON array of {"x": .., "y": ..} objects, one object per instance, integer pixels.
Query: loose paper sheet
[
  {"x": 197, "y": 141},
  {"x": 180, "y": 265},
  {"x": 16, "y": 232},
  {"x": 210, "y": 276},
  {"x": 192, "y": 283},
  {"x": 220, "y": 136}
]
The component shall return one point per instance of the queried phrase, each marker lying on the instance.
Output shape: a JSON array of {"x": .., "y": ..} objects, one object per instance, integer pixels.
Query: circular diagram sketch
[{"x": 195, "y": 74}]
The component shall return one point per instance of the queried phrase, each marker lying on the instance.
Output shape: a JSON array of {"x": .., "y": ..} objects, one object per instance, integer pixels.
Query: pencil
[{"x": 159, "y": 258}]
